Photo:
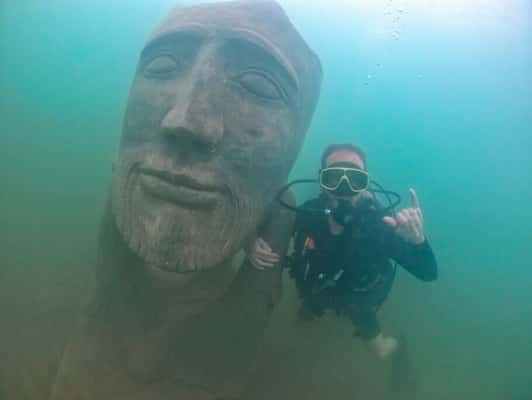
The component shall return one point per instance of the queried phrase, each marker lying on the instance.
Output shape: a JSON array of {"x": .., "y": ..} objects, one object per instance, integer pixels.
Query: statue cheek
[
  {"x": 275, "y": 146},
  {"x": 260, "y": 137},
  {"x": 143, "y": 116}
]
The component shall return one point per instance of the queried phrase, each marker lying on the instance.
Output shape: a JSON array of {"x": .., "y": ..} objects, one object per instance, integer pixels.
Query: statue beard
[{"x": 179, "y": 239}]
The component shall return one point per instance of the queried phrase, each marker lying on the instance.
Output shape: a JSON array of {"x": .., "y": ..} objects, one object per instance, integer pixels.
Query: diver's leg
[
  {"x": 307, "y": 310},
  {"x": 368, "y": 329},
  {"x": 312, "y": 305},
  {"x": 393, "y": 351},
  {"x": 383, "y": 346}
]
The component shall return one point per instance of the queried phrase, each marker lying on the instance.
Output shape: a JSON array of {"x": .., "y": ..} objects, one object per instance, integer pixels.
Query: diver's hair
[{"x": 333, "y": 148}]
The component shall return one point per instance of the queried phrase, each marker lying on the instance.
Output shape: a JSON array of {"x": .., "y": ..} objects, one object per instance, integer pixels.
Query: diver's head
[
  {"x": 344, "y": 180},
  {"x": 343, "y": 175},
  {"x": 343, "y": 153}
]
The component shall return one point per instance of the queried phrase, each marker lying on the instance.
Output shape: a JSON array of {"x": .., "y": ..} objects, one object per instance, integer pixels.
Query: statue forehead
[{"x": 263, "y": 22}]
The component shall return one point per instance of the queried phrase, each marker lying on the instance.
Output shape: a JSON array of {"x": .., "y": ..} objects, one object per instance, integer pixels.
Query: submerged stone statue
[{"x": 217, "y": 113}]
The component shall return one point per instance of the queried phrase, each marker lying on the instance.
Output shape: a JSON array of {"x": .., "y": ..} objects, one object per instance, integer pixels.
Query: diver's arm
[
  {"x": 275, "y": 232},
  {"x": 418, "y": 259},
  {"x": 275, "y": 229},
  {"x": 407, "y": 243}
]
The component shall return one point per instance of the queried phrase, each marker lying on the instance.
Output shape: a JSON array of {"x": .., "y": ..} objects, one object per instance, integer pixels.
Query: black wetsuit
[{"x": 352, "y": 273}]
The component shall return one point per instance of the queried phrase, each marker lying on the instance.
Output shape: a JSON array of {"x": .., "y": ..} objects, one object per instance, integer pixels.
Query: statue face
[{"x": 216, "y": 115}]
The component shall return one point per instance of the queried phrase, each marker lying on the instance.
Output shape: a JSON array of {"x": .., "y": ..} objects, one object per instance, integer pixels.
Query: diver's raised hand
[
  {"x": 261, "y": 255},
  {"x": 408, "y": 223}
]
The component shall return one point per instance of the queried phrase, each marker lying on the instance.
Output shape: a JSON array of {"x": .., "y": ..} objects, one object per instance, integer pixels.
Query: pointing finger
[
  {"x": 414, "y": 215},
  {"x": 416, "y": 225},
  {"x": 413, "y": 198},
  {"x": 419, "y": 215},
  {"x": 415, "y": 204}
]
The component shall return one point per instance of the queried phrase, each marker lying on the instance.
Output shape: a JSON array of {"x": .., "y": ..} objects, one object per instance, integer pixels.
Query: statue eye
[
  {"x": 160, "y": 66},
  {"x": 261, "y": 85}
]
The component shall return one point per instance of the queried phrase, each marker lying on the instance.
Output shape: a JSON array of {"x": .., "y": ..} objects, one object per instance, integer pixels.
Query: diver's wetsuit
[{"x": 352, "y": 273}]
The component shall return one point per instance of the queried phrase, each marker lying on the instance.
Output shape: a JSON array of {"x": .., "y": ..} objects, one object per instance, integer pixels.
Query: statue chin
[{"x": 175, "y": 236}]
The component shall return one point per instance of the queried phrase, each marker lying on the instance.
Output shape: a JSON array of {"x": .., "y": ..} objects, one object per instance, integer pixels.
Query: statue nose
[{"x": 196, "y": 116}]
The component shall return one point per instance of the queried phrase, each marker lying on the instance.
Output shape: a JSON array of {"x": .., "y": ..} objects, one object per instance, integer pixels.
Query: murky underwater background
[{"x": 439, "y": 93}]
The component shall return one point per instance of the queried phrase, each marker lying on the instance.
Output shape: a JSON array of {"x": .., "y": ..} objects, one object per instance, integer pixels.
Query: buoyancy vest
[{"x": 354, "y": 262}]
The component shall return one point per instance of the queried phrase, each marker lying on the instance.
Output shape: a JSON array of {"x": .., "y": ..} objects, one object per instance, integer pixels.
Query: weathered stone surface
[{"x": 217, "y": 113}]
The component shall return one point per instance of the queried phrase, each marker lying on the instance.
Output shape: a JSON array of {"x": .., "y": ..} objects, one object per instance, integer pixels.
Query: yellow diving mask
[{"x": 344, "y": 179}]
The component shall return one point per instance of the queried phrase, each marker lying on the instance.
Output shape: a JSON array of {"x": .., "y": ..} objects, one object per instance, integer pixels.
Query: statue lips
[{"x": 179, "y": 188}]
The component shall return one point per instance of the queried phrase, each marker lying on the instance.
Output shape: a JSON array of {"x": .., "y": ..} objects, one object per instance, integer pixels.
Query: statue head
[{"x": 218, "y": 109}]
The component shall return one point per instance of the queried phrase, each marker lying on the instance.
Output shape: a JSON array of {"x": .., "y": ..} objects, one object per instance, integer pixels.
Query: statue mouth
[
  {"x": 171, "y": 273},
  {"x": 179, "y": 189}
]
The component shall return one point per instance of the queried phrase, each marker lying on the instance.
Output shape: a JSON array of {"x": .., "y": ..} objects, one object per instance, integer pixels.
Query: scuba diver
[{"x": 347, "y": 244}]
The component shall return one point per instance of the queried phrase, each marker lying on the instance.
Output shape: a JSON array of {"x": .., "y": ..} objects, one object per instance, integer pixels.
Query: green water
[{"x": 439, "y": 95}]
